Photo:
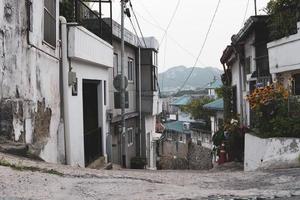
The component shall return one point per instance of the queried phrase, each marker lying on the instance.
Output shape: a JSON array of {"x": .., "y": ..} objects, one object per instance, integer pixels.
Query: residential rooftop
[
  {"x": 217, "y": 105},
  {"x": 181, "y": 101}
]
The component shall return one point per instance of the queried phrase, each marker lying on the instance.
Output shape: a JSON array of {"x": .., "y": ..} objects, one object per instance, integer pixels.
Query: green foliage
[
  {"x": 226, "y": 93},
  {"x": 278, "y": 118},
  {"x": 195, "y": 108},
  {"x": 67, "y": 10},
  {"x": 218, "y": 137},
  {"x": 284, "y": 15}
]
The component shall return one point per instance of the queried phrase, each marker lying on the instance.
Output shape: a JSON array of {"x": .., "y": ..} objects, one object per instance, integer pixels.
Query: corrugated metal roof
[
  {"x": 215, "y": 84},
  {"x": 181, "y": 101},
  {"x": 215, "y": 105},
  {"x": 174, "y": 126}
]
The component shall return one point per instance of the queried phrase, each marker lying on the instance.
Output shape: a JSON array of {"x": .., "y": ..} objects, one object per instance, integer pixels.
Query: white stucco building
[
  {"x": 247, "y": 64},
  {"x": 285, "y": 67}
]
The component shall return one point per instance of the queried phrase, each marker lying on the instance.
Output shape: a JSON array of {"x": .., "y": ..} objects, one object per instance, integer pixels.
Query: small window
[
  {"x": 154, "y": 78},
  {"x": 130, "y": 136},
  {"x": 154, "y": 58},
  {"x": 248, "y": 65},
  {"x": 296, "y": 84},
  {"x": 50, "y": 22},
  {"x": 130, "y": 69},
  {"x": 116, "y": 65}
]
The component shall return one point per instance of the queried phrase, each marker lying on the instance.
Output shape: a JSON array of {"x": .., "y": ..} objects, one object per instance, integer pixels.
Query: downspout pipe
[
  {"x": 140, "y": 101},
  {"x": 65, "y": 73}
]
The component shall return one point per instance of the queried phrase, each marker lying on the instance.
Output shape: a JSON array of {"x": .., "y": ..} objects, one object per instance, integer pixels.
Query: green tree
[
  {"x": 284, "y": 15},
  {"x": 67, "y": 10},
  {"x": 195, "y": 108}
]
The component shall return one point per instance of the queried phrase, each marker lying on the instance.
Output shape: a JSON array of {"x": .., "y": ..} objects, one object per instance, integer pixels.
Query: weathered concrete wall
[
  {"x": 271, "y": 153},
  {"x": 189, "y": 156},
  {"x": 29, "y": 82},
  {"x": 199, "y": 157},
  {"x": 172, "y": 148}
]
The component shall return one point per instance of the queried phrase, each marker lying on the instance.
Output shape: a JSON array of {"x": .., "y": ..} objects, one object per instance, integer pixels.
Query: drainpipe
[
  {"x": 140, "y": 101},
  {"x": 65, "y": 72}
]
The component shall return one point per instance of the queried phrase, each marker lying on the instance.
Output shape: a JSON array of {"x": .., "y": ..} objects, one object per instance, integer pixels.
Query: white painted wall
[
  {"x": 271, "y": 153},
  {"x": 280, "y": 60},
  {"x": 236, "y": 82},
  {"x": 150, "y": 122},
  {"x": 91, "y": 66}
]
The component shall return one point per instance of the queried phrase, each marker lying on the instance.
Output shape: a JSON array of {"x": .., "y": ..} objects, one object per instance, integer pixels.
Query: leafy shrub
[
  {"x": 284, "y": 15},
  {"x": 273, "y": 116}
]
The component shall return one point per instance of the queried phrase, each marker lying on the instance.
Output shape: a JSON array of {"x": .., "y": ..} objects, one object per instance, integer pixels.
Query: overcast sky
[{"x": 189, "y": 27}]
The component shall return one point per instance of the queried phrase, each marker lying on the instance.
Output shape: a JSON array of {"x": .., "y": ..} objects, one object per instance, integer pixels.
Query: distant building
[
  {"x": 211, "y": 88},
  {"x": 177, "y": 131},
  {"x": 217, "y": 119},
  {"x": 176, "y": 108}
]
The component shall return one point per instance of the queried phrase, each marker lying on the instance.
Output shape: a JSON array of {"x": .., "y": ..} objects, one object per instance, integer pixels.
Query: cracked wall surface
[{"x": 29, "y": 82}]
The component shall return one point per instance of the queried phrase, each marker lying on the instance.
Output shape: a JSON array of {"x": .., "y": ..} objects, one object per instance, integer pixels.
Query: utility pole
[
  {"x": 255, "y": 7},
  {"x": 123, "y": 3}
]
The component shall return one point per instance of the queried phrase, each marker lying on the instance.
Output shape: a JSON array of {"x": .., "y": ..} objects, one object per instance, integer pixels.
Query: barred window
[{"x": 50, "y": 22}]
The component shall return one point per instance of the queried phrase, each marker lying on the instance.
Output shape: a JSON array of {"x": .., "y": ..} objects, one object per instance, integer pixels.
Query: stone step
[{"x": 16, "y": 148}]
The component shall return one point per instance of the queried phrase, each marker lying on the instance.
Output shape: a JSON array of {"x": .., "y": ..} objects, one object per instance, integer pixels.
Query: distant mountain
[{"x": 173, "y": 78}]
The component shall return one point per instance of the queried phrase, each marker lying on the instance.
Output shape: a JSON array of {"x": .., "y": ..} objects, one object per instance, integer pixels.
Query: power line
[
  {"x": 138, "y": 24},
  {"x": 170, "y": 22},
  {"x": 165, "y": 55},
  {"x": 170, "y": 37},
  {"x": 246, "y": 11},
  {"x": 202, "y": 47},
  {"x": 134, "y": 29}
]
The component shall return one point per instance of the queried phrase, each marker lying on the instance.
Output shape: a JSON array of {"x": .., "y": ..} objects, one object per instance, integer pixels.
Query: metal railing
[{"x": 92, "y": 21}]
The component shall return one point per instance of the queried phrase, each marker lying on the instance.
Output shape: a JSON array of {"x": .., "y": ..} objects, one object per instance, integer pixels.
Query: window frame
[
  {"x": 130, "y": 136},
  {"x": 116, "y": 65},
  {"x": 52, "y": 18},
  {"x": 154, "y": 81},
  {"x": 130, "y": 74}
]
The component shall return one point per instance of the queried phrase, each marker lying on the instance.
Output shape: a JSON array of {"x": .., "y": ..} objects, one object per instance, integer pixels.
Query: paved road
[{"x": 76, "y": 183}]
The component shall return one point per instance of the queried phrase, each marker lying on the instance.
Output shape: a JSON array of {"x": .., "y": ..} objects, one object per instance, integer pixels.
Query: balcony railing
[{"x": 92, "y": 20}]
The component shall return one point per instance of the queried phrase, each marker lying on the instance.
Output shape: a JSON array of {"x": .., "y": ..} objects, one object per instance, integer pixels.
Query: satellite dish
[{"x": 118, "y": 80}]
